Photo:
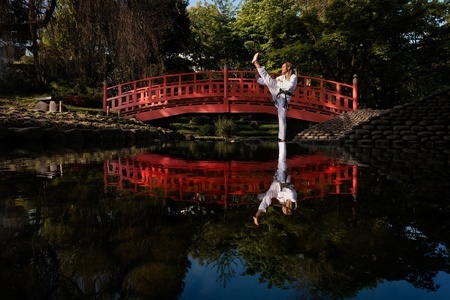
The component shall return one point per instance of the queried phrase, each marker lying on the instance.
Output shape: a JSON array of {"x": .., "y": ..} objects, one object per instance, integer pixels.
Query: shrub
[
  {"x": 21, "y": 80},
  {"x": 225, "y": 127},
  {"x": 206, "y": 130}
]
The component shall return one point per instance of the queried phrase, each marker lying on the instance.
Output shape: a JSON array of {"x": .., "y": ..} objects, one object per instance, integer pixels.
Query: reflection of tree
[
  {"x": 331, "y": 248},
  {"x": 224, "y": 266},
  {"x": 95, "y": 243}
]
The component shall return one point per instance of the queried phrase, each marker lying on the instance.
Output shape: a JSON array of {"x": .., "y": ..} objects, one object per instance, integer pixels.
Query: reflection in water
[
  {"x": 129, "y": 224},
  {"x": 229, "y": 183},
  {"x": 281, "y": 189}
]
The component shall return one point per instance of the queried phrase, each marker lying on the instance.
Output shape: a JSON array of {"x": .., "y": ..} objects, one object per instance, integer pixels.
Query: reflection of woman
[
  {"x": 281, "y": 89},
  {"x": 280, "y": 191}
]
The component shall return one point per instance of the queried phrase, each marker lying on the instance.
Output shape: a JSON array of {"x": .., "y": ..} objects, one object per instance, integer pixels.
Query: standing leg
[{"x": 282, "y": 126}]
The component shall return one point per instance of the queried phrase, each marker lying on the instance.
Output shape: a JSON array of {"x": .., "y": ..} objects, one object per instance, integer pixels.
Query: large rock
[
  {"x": 55, "y": 137},
  {"x": 42, "y": 106},
  {"x": 5, "y": 134},
  {"x": 74, "y": 136},
  {"x": 30, "y": 134}
]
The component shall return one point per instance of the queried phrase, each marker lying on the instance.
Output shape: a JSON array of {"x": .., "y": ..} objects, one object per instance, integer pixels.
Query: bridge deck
[{"x": 314, "y": 99}]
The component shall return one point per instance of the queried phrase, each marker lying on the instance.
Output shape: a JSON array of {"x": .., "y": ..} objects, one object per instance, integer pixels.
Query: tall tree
[
  {"x": 22, "y": 22},
  {"x": 270, "y": 26},
  {"x": 388, "y": 44},
  {"x": 213, "y": 42},
  {"x": 116, "y": 40}
]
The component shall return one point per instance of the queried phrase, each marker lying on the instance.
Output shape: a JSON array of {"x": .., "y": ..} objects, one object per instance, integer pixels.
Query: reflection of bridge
[
  {"x": 227, "y": 183},
  {"x": 314, "y": 100}
]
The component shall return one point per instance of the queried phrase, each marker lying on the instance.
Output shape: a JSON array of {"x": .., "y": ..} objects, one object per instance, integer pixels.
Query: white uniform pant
[{"x": 279, "y": 101}]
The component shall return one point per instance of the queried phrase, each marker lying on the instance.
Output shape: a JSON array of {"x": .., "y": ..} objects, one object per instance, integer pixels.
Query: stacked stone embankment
[
  {"x": 332, "y": 130},
  {"x": 21, "y": 126},
  {"x": 423, "y": 123}
]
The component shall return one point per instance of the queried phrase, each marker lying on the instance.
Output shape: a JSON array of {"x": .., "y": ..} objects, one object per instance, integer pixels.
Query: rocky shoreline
[
  {"x": 424, "y": 123},
  {"x": 20, "y": 126}
]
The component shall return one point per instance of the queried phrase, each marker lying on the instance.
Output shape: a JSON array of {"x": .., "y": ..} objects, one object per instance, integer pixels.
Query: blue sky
[{"x": 194, "y": 2}]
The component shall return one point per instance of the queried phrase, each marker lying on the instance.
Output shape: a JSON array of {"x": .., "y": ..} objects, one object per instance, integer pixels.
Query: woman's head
[{"x": 287, "y": 69}]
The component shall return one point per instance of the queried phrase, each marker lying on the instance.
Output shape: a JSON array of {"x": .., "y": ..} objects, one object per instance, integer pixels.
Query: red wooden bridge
[{"x": 315, "y": 99}]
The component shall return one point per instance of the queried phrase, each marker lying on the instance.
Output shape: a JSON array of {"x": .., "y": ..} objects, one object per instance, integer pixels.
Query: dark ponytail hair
[{"x": 290, "y": 70}]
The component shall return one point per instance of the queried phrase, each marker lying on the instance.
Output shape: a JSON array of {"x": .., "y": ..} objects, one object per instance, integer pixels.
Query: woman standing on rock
[{"x": 281, "y": 89}]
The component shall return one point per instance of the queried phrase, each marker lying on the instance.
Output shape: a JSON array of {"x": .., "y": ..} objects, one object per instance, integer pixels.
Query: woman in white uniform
[
  {"x": 286, "y": 196},
  {"x": 281, "y": 89}
]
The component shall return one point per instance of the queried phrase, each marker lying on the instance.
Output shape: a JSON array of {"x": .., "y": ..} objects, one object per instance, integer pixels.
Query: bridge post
[
  {"x": 355, "y": 92},
  {"x": 105, "y": 97},
  {"x": 226, "y": 102}
]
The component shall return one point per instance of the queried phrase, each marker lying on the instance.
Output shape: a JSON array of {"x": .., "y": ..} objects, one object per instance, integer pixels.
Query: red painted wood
[
  {"x": 315, "y": 99},
  {"x": 227, "y": 183}
]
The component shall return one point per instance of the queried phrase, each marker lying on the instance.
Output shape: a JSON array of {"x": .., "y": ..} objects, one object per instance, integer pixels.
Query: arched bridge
[{"x": 219, "y": 92}]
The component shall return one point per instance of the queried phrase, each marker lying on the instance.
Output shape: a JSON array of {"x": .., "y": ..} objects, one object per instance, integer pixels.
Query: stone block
[
  {"x": 393, "y": 137},
  {"x": 436, "y": 128},
  {"x": 74, "y": 136},
  {"x": 41, "y": 105},
  {"x": 382, "y": 143},
  {"x": 52, "y": 107},
  {"x": 407, "y": 132},
  {"x": 29, "y": 134},
  {"x": 410, "y": 138},
  {"x": 401, "y": 128},
  {"x": 5, "y": 134},
  {"x": 55, "y": 136}
]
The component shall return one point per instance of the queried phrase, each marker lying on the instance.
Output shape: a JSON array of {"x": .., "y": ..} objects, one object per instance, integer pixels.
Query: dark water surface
[{"x": 175, "y": 222}]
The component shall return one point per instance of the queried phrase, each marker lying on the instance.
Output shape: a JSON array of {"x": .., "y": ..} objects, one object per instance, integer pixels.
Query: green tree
[
  {"x": 398, "y": 49},
  {"x": 21, "y": 24},
  {"x": 381, "y": 41},
  {"x": 270, "y": 27},
  {"x": 115, "y": 40},
  {"x": 213, "y": 42}
]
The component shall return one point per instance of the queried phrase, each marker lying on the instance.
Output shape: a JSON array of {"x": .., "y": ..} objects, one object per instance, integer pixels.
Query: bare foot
[
  {"x": 255, "y": 58},
  {"x": 255, "y": 220}
]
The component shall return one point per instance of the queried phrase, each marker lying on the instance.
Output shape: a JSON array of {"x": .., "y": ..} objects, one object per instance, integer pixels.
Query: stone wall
[
  {"x": 78, "y": 138},
  {"x": 420, "y": 124},
  {"x": 423, "y": 123},
  {"x": 25, "y": 127}
]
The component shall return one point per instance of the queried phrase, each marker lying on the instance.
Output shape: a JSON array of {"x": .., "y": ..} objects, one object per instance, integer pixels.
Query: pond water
[{"x": 175, "y": 221}]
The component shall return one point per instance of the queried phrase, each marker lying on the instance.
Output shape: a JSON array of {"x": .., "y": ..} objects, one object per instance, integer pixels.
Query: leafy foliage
[
  {"x": 386, "y": 43},
  {"x": 398, "y": 49},
  {"x": 214, "y": 42},
  {"x": 225, "y": 127}
]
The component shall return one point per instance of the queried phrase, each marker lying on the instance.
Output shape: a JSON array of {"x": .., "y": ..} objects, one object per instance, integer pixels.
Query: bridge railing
[{"x": 224, "y": 91}]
